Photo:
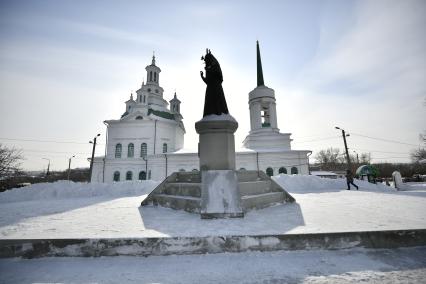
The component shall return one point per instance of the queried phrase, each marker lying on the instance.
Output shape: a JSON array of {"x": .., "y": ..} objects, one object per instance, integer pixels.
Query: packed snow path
[
  {"x": 405, "y": 265},
  {"x": 69, "y": 210}
]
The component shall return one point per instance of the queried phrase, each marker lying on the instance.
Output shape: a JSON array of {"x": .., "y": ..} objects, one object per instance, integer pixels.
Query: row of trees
[
  {"x": 12, "y": 176},
  {"x": 333, "y": 159}
]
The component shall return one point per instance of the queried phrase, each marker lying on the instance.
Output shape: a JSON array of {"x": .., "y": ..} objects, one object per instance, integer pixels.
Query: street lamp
[
  {"x": 344, "y": 135},
  {"x": 69, "y": 166},
  {"x": 48, "y": 166},
  {"x": 93, "y": 156}
]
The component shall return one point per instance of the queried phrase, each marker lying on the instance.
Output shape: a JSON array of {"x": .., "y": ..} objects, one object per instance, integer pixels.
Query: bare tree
[
  {"x": 418, "y": 154},
  {"x": 329, "y": 158},
  {"x": 10, "y": 160}
]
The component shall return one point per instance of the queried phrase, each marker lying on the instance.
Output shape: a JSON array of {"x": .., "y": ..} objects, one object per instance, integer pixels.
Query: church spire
[{"x": 259, "y": 67}]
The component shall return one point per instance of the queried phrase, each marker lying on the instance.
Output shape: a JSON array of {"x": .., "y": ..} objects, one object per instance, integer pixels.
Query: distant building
[{"x": 147, "y": 141}]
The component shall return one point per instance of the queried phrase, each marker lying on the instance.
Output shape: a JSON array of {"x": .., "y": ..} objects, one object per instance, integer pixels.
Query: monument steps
[
  {"x": 178, "y": 202},
  {"x": 263, "y": 200},
  {"x": 183, "y": 191},
  {"x": 254, "y": 187}
]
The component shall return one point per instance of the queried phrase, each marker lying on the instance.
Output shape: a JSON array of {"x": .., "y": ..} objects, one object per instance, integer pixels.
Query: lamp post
[
  {"x": 93, "y": 156},
  {"x": 69, "y": 166},
  {"x": 48, "y": 166},
  {"x": 344, "y": 135}
]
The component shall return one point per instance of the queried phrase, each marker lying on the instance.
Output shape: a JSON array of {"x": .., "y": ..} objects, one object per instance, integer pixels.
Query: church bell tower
[{"x": 264, "y": 131}]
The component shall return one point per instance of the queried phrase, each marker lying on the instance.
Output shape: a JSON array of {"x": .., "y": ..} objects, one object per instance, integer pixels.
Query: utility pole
[
  {"x": 48, "y": 167},
  {"x": 346, "y": 147},
  {"x": 93, "y": 156},
  {"x": 69, "y": 166}
]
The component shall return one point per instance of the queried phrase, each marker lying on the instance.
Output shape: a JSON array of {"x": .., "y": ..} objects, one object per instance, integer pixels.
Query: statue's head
[{"x": 209, "y": 59}]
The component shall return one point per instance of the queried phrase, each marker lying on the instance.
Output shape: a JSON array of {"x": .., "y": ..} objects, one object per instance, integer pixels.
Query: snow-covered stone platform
[{"x": 102, "y": 215}]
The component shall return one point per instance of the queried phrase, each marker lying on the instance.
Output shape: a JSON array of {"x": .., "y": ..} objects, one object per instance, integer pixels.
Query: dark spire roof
[{"x": 259, "y": 67}]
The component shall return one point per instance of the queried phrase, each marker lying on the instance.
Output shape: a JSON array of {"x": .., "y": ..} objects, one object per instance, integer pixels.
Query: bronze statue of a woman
[{"x": 214, "y": 102}]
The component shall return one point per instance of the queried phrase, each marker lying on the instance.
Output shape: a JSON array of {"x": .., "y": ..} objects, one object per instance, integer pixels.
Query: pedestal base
[
  {"x": 220, "y": 195},
  {"x": 217, "y": 145}
]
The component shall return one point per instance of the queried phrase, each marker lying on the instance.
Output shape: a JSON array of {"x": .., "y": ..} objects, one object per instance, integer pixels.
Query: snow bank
[
  {"x": 312, "y": 184},
  {"x": 66, "y": 189}
]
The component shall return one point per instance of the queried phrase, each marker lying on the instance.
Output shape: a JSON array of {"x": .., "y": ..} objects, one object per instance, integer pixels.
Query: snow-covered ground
[
  {"x": 405, "y": 265},
  {"x": 78, "y": 210},
  {"x": 74, "y": 210}
]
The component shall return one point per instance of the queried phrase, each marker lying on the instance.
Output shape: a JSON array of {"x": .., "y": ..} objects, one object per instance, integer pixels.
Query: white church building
[{"x": 147, "y": 141}]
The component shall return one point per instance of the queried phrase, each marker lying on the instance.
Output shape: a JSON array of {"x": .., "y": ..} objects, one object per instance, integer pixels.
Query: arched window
[
  {"x": 143, "y": 99},
  {"x": 155, "y": 76},
  {"x": 129, "y": 175},
  {"x": 150, "y": 76},
  {"x": 142, "y": 175},
  {"x": 144, "y": 150},
  {"x": 118, "y": 150},
  {"x": 195, "y": 170},
  {"x": 149, "y": 174},
  {"x": 294, "y": 171},
  {"x": 282, "y": 170},
  {"x": 139, "y": 117},
  {"x": 130, "y": 150},
  {"x": 165, "y": 148},
  {"x": 270, "y": 171},
  {"x": 242, "y": 169},
  {"x": 182, "y": 170},
  {"x": 116, "y": 176}
]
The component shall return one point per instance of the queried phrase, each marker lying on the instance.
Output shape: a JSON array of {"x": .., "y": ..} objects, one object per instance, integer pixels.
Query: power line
[
  {"x": 45, "y": 141},
  {"x": 54, "y": 152},
  {"x": 319, "y": 139},
  {"x": 382, "y": 139},
  {"x": 377, "y": 151}
]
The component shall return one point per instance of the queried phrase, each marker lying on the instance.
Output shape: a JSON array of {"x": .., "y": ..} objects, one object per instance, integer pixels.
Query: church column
[
  {"x": 273, "y": 115},
  {"x": 256, "y": 113}
]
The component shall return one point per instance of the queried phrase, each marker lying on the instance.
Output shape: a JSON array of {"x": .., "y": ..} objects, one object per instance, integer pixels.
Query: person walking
[{"x": 350, "y": 180}]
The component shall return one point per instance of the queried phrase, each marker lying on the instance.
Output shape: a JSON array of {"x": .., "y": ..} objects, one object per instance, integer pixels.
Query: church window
[
  {"x": 129, "y": 175},
  {"x": 150, "y": 76},
  {"x": 294, "y": 171},
  {"x": 130, "y": 150},
  {"x": 129, "y": 107},
  {"x": 270, "y": 171},
  {"x": 156, "y": 91},
  {"x": 143, "y": 99},
  {"x": 139, "y": 117},
  {"x": 116, "y": 176},
  {"x": 155, "y": 76},
  {"x": 118, "y": 150},
  {"x": 142, "y": 175},
  {"x": 149, "y": 90},
  {"x": 165, "y": 148},
  {"x": 144, "y": 149},
  {"x": 282, "y": 170}
]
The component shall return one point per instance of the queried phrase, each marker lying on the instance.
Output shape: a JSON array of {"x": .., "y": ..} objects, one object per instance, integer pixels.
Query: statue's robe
[{"x": 214, "y": 102}]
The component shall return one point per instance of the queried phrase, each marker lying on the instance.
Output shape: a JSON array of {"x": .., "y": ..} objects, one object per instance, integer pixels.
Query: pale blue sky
[{"x": 65, "y": 66}]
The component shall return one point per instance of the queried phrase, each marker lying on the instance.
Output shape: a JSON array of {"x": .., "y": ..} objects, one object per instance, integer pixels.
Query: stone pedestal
[
  {"x": 216, "y": 146},
  {"x": 220, "y": 196}
]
